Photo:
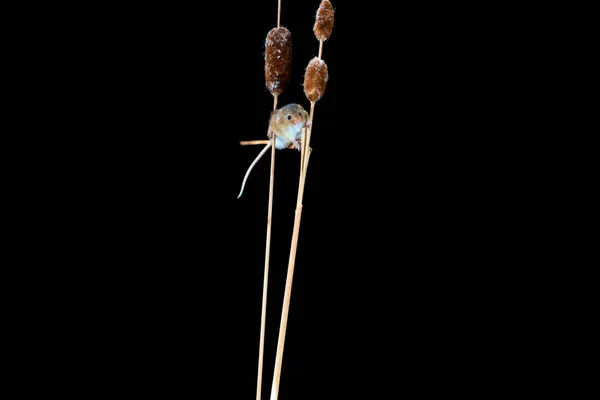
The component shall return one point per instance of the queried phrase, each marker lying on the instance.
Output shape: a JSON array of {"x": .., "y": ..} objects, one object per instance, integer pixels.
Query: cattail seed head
[
  {"x": 278, "y": 59},
  {"x": 324, "y": 20},
  {"x": 315, "y": 79}
]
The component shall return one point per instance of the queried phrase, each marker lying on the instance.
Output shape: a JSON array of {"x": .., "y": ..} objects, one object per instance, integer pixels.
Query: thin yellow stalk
[
  {"x": 302, "y": 142},
  {"x": 306, "y": 150},
  {"x": 253, "y": 142},
  {"x": 286, "y": 305},
  {"x": 316, "y": 77},
  {"x": 263, "y": 317},
  {"x": 307, "y": 146}
]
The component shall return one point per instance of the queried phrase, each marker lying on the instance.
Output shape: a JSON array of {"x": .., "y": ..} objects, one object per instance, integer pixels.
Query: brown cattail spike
[
  {"x": 315, "y": 79},
  {"x": 278, "y": 59},
  {"x": 324, "y": 20}
]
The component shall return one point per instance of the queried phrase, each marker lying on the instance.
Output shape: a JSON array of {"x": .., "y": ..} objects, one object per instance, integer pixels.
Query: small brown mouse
[{"x": 286, "y": 123}]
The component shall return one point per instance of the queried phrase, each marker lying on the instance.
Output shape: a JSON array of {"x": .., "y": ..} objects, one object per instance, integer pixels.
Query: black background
[{"x": 402, "y": 232}]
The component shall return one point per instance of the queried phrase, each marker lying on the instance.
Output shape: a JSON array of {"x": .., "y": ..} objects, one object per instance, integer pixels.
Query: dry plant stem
[
  {"x": 278, "y": 12},
  {"x": 302, "y": 152},
  {"x": 307, "y": 145},
  {"x": 320, "y": 48},
  {"x": 263, "y": 317},
  {"x": 252, "y": 142},
  {"x": 306, "y": 150},
  {"x": 286, "y": 305},
  {"x": 315, "y": 80}
]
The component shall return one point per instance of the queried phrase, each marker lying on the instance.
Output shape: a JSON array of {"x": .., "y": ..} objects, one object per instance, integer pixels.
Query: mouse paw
[
  {"x": 297, "y": 145},
  {"x": 308, "y": 124},
  {"x": 270, "y": 134}
]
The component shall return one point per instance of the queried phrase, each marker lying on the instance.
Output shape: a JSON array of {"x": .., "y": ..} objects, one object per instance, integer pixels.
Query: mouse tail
[{"x": 258, "y": 157}]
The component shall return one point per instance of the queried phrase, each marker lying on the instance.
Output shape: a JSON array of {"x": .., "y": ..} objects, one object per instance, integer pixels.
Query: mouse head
[{"x": 291, "y": 114}]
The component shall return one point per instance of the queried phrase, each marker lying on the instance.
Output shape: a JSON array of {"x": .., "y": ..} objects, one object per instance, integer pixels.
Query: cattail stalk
[
  {"x": 278, "y": 12},
  {"x": 278, "y": 53},
  {"x": 263, "y": 316},
  {"x": 320, "y": 48},
  {"x": 255, "y": 142},
  {"x": 315, "y": 81}
]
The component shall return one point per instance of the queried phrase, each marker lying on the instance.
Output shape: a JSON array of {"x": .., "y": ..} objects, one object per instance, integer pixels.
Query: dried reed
[
  {"x": 278, "y": 64},
  {"x": 315, "y": 82}
]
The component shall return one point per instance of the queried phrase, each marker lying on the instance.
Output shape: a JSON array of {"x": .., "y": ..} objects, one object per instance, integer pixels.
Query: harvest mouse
[{"x": 286, "y": 123}]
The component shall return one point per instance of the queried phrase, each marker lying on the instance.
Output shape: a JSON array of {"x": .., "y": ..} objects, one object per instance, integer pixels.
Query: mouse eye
[
  {"x": 299, "y": 113},
  {"x": 289, "y": 117}
]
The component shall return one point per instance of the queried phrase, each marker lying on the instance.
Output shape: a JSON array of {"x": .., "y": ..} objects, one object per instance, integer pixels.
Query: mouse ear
[{"x": 272, "y": 116}]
